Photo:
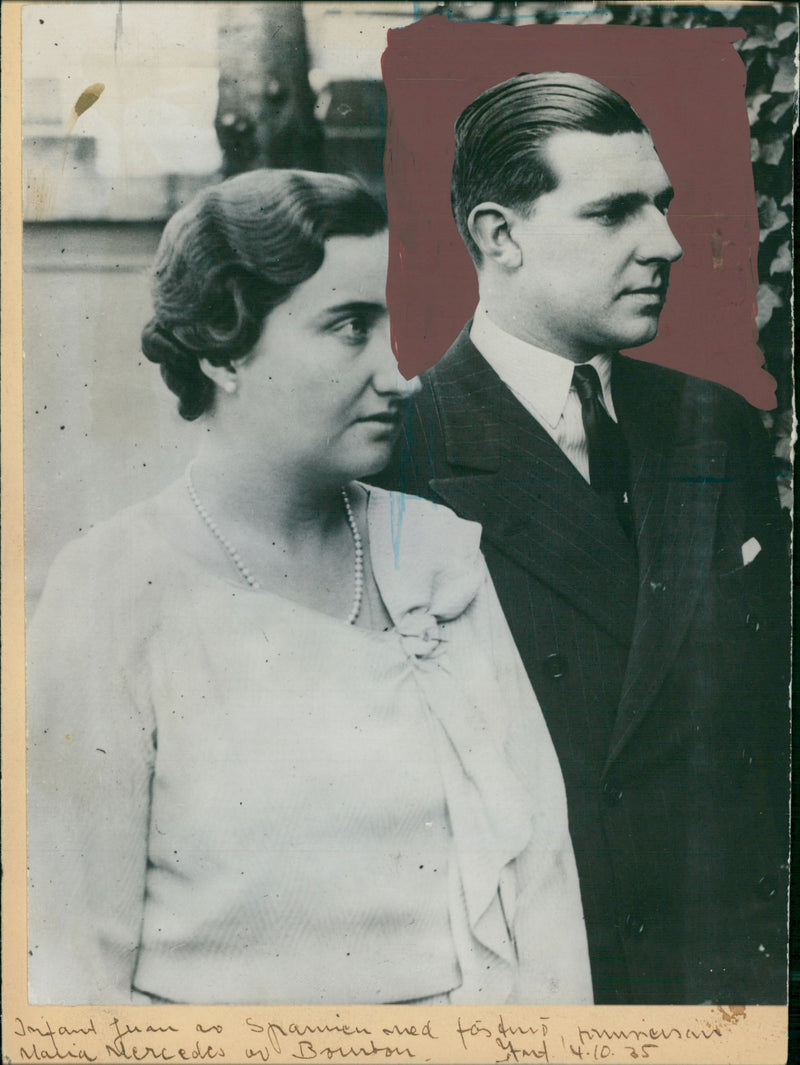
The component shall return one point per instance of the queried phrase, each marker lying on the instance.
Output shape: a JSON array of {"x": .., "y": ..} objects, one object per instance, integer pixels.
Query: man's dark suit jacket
[{"x": 662, "y": 671}]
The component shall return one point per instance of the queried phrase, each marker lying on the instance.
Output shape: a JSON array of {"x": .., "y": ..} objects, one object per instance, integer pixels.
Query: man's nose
[{"x": 657, "y": 241}]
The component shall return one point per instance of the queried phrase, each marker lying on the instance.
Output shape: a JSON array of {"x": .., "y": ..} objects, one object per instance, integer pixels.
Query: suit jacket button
[
  {"x": 753, "y": 622},
  {"x": 634, "y": 925},
  {"x": 555, "y": 666},
  {"x": 612, "y": 792}
]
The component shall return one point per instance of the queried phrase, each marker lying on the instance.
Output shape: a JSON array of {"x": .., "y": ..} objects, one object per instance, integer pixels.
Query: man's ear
[
  {"x": 490, "y": 227},
  {"x": 224, "y": 377}
]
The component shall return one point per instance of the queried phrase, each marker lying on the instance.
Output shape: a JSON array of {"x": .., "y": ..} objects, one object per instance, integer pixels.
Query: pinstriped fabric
[
  {"x": 678, "y": 571},
  {"x": 580, "y": 708},
  {"x": 538, "y": 509},
  {"x": 571, "y": 437}
]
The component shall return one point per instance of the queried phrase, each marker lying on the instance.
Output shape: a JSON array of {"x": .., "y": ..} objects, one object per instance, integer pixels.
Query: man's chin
[{"x": 643, "y": 335}]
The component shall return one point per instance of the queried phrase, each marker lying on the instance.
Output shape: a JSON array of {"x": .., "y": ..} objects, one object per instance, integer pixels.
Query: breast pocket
[{"x": 741, "y": 574}]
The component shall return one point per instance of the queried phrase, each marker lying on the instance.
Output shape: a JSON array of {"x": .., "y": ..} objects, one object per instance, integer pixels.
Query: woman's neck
[
  {"x": 263, "y": 498},
  {"x": 291, "y": 534}
]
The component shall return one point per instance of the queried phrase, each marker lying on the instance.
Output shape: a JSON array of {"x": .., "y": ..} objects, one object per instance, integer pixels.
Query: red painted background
[{"x": 688, "y": 88}]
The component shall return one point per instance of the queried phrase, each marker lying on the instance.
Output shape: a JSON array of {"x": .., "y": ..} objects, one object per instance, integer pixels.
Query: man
[{"x": 631, "y": 525}]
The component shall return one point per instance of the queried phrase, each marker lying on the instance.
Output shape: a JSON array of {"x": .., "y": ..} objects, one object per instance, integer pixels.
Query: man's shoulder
[
  {"x": 680, "y": 383},
  {"x": 450, "y": 382},
  {"x": 462, "y": 378},
  {"x": 687, "y": 398}
]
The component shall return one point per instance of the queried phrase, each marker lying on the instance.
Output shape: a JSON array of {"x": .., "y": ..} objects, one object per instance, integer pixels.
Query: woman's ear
[
  {"x": 224, "y": 377},
  {"x": 490, "y": 227}
]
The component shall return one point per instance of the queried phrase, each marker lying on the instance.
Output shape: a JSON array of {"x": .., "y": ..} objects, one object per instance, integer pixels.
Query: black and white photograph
[{"x": 368, "y": 663}]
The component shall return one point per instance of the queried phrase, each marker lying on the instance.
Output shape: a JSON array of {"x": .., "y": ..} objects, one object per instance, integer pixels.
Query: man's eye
[{"x": 612, "y": 217}]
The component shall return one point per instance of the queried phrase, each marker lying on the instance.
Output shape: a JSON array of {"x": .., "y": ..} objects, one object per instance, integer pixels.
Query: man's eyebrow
[{"x": 628, "y": 201}]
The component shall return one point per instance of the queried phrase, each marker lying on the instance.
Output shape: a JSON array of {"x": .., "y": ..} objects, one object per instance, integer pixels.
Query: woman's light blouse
[{"x": 234, "y": 798}]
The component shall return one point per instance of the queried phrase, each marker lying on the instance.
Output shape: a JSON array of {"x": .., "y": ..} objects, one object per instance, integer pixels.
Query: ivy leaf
[
  {"x": 772, "y": 151},
  {"x": 785, "y": 77},
  {"x": 768, "y": 301},
  {"x": 782, "y": 263},
  {"x": 784, "y": 30},
  {"x": 753, "y": 41},
  {"x": 779, "y": 220},
  {"x": 778, "y": 108},
  {"x": 767, "y": 209},
  {"x": 755, "y": 105}
]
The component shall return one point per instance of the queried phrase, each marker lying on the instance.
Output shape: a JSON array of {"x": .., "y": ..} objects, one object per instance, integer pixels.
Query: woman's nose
[
  {"x": 386, "y": 376},
  {"x": 388, "y": 381},
  {"x": 413, "y": 387}
]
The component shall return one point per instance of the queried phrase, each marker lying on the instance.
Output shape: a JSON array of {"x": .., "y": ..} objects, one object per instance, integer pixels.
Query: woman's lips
[{"x": 388, "y": 418}]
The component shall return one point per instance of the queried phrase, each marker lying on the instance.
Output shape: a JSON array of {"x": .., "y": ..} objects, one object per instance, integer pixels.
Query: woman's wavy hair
[
  {"x": 502, "y": 134},
  {"x": 231, "y": 255}
]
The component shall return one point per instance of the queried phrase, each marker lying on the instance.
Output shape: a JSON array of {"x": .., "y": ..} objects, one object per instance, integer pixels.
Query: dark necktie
[{"x": 608, "y": 453}]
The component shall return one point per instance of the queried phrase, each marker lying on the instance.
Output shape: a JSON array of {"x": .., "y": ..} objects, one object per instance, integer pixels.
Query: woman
[{"x": 281, "y": 746}]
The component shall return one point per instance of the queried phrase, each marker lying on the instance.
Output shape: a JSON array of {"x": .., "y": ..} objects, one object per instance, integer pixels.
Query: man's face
[{"x": 596, "y": 251}]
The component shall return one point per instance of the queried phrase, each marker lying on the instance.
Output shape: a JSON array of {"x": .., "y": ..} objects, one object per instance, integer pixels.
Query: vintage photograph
[{"x": 407, "y": 456}]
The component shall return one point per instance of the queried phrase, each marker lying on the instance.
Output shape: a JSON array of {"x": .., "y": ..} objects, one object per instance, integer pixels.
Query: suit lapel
[
  {"x": 533, "y": 505},
  {"x": 678, "y": 473}
]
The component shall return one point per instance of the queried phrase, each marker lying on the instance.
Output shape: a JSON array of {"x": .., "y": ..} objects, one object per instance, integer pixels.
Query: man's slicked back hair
[{"x": 501, "y": 136}]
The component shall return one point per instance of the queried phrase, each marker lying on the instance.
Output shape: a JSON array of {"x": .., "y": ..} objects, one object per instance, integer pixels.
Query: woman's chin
[{"x": 370, "y": 464}]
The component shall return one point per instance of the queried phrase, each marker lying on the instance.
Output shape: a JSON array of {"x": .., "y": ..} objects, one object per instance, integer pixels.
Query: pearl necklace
[{"x": 245, "y": 573}]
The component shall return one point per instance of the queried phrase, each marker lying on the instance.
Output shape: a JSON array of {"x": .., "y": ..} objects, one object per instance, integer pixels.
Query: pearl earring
[{"x": 229, "y": 387}]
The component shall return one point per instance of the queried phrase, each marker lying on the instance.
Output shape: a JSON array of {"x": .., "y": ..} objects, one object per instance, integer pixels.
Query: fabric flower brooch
[{"x": 421, "y": 634}]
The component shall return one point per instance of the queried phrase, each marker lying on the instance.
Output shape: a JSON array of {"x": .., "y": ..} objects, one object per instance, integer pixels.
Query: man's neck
[{"x": 507, "y": 318}]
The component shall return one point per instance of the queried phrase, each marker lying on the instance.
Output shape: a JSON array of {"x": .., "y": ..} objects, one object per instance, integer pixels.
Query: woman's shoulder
[
  {"x": 114, "y": 557},
  {"x": 134, "y": 526},
  {"x": 422, "y": 553}
]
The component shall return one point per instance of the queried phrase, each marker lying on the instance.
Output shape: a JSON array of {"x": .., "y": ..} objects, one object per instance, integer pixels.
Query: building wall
[{"x": 100, "y": 427}]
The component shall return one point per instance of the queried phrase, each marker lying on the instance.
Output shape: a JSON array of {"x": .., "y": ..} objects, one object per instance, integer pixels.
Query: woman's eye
[{"x": 353, "y": 330}]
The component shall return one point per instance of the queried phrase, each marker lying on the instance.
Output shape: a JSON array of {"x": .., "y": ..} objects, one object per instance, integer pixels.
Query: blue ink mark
[{"x": 397, "y": 507}]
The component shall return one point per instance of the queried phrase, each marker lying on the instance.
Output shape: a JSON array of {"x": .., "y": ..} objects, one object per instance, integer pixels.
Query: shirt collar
[{"x": 541, "y": 378}]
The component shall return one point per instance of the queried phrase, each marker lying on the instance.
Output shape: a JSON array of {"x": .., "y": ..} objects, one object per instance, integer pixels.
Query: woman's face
[{"x": 320, "y": 392}]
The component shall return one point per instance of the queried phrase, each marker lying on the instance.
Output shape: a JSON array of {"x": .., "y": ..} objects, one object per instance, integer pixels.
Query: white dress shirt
[{"x": 542, "y": 382}]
